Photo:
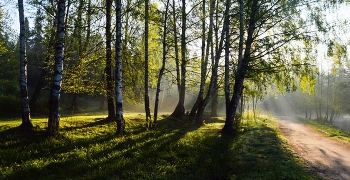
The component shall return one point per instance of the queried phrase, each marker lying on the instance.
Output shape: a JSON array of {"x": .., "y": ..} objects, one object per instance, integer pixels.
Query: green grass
[
  {"x": 328, "y": 130},
  {"x": 89, "y": 149}
]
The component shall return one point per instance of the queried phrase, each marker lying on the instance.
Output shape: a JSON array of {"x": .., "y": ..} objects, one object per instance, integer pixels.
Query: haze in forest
[{"x": 186, "y": 58}]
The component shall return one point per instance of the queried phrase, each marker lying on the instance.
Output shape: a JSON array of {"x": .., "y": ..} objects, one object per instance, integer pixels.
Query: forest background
[{"x": 223, "y": 54}]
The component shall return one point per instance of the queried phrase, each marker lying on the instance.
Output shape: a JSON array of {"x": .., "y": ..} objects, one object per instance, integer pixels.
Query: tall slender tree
[
  {"x": 162, "y": 69},
  {"x": 109, "y": 80},
  {"x": 215, "y": 64},
  {"x": 77, "y": 33},
  {"x": 242, "y": 67},
  {"x": 146, "y": 94},
  {"x": 204, "y": 62},
  {"x": 176, "y": 49},
  {"x": 180, "y": 108},
  {"x": 227, "y": 61},
  {"x": 26, "y": 121},
  {"x": 118, "y": 72},
  {"x": 54, "y": 112}
]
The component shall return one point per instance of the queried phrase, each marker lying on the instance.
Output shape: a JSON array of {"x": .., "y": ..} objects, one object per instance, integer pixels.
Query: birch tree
[
  {"x": 162, "y": 69},
  {"x": 118, "y": 72},
  {"x": 227, "y": 55},
  {"x": 176, "y": 49},
  {"x": 54, "y": 112},
  {"x": 241, "y": 69},
  {"x": 215, "y": 56},
  {"x": 26, "y": 121},
  {"x": 204, "y": 61},
  {"x": 180, "y": 109},
  {"x": 146, "y": 75}
]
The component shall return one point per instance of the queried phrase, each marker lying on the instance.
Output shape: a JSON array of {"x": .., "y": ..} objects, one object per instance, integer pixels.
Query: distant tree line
[{"x": 118, "y": 50}]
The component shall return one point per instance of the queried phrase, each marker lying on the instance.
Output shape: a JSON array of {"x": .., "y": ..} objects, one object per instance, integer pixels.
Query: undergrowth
[{"x": 89, "y": 149}]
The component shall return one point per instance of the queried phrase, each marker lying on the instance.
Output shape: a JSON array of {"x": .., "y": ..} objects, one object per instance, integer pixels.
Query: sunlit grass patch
[
  {"x": 177, "y": 149},
  {"x": 328, "y": 129}
]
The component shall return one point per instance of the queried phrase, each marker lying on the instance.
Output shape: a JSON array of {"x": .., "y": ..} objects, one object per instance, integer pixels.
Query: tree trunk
[
  {"x": 80, "y": 48},
  {"x": 215, "y": 61},
  {"x": 162, "y": 69},
  {"x": 74, "y": 106},
  {"x": 214, "y": 102},
  {"x": 241, "y": 69},
  {"x": 54, "y": 113},
  {"x": 26, "y": 121},
  {"x": 146, "y": 95},
  {"x": 39, "y": 86},
  {"x": 227, "y": 65},
  {"x": 177, "y": 61},
  {"x": 109, "y": 80},
  {"x": 118, "y": 71},
  {"x": 242, "y": 104},
  {"x": 180, "y": 109},
  {"x": 203, "y": 66}
]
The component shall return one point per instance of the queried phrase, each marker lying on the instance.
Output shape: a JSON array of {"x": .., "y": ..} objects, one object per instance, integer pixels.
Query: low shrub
[{"x": 9, "y": 106}]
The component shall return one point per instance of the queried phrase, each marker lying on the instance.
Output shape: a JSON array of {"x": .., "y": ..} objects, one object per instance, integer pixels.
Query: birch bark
[
  {"x": 54, "y": 112},
  {"x": 26, "y": 121}
]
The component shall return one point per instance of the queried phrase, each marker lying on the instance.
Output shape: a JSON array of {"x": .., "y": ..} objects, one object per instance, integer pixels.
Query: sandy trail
[{"x": 329, "y": 159}]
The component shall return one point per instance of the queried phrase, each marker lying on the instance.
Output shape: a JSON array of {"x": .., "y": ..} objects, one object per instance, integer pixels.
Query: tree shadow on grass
[
  {"x": 176, "y": 149},
  {"x": 97, "y": 122},
  {"x": 66, "y": 153}
]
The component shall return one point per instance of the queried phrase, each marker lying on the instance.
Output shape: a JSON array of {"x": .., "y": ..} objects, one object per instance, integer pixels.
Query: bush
[{"x": 9, "y": 106}]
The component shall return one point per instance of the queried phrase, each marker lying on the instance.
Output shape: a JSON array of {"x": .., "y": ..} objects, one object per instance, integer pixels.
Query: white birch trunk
[
  {"x": 26, "y": 121},
  {"x": 54, "y": 113},
  {"x": 118, "y": 81},
  {"x": 146, "y": 95}
]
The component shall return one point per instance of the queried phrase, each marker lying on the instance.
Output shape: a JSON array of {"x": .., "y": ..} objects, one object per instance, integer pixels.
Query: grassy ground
[
  {"x": 328, "y": 129},
  {"x": 89, "y": 149}
]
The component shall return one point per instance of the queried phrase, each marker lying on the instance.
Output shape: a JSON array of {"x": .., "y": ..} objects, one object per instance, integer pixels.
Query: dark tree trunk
[
  {"x": 176, "y": 46},
  {"x": 203, "y": 65},
  {"x": 109, "y": 80},
  {"x": 54, "y": 113},
  {"x": 180, "y": 109},
  {"x": 214, "y": 102},
  {"x": 242, "y": 104},
  {"x": 162, "y": 69},
  {"x": 227, "y": 65},
  {"x": 26, "y": 120},
  {"x": 215, "y": 61},
  {"x": 39, "y": 86},
  {"x": 74, "y": 106},
  {"x": 241, "y": 69}
]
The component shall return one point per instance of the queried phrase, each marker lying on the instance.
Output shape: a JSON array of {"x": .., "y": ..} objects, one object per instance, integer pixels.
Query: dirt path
[{"x": 329, "y": 159}]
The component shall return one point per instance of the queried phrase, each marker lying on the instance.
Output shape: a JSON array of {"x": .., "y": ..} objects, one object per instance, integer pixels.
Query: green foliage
[
  {"x": 9, "y": 68},
  {"x": 9, "y": 73},
  {"x": 89, "y": 149}
]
